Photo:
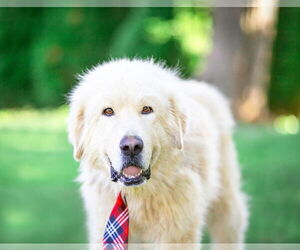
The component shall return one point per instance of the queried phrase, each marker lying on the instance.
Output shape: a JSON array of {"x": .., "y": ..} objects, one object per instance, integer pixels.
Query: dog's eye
[
  {"x": 146, "y": 110},
  {"x": 108, "y": 112}
]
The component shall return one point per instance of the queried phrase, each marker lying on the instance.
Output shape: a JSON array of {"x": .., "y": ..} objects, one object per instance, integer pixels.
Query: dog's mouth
[{"x": 130, "y": 175}]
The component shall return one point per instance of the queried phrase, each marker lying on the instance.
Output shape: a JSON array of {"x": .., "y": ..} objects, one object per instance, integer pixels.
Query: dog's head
[{"x": 123, "y": 118}]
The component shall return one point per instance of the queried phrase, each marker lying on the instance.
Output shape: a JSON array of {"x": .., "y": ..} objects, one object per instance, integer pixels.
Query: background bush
[{"x": 43, "y": 49}]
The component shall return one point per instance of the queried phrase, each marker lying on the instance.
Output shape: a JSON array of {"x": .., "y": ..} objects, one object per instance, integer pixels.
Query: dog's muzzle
[{"x": 130, "y": 175}]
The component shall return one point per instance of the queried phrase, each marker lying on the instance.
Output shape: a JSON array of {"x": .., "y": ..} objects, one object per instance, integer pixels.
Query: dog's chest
[{"x": 153, "y": 217}]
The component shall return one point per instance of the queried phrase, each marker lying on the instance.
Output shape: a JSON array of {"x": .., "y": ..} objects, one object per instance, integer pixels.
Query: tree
[
  {"x": 284, "y": 91},
  {"x": 240, "y": 59}
]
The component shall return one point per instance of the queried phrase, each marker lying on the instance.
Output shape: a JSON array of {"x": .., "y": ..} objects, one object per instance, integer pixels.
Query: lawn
[{"x": 40, "y": 201}]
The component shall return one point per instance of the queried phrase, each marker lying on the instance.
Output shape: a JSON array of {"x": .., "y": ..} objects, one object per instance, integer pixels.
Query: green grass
[
  {"x": 271, "y": 170},
  {"x": 40, "y": 201}
]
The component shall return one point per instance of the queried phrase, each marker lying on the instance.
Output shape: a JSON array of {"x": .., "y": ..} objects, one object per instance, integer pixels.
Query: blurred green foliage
[
  {"x": 284, "y": 92},
  {"x": 43, "y": 49},
  {"x": 41, "y": 202}
]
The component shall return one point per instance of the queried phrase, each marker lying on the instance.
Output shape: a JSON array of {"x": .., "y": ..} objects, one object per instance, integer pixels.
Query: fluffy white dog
[{"x": 166, "y": 144}]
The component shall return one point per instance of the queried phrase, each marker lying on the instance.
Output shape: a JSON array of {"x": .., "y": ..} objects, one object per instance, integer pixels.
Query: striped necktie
[{"x": 117, "y": 227}]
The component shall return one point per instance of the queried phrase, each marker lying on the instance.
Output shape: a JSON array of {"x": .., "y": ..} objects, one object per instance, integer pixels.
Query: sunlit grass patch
[
  {"x": 287, "y": 124},
  {"x": 31, "y": 119}
]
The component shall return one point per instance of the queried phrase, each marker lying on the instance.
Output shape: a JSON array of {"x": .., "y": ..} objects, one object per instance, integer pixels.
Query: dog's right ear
[
  {"x": 178, "y": 124},
  {"x": 75, "y": 129}
]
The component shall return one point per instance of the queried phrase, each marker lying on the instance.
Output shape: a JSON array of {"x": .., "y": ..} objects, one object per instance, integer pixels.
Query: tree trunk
[{"x": 239, "y": 62}]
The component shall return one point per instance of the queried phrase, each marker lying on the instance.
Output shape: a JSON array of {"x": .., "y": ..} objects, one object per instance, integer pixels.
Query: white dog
[{"x": 167, "y": 144}]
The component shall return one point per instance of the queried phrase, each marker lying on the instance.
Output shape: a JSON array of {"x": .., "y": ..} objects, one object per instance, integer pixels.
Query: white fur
[{"x": 188, "y": 145}]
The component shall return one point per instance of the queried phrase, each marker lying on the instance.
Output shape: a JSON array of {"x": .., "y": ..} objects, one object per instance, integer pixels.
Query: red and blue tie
[{"x": 117, "y": 227}]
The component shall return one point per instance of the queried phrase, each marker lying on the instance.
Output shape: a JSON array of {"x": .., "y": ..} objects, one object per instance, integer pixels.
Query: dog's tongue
[{"x": 131, "y": 170}]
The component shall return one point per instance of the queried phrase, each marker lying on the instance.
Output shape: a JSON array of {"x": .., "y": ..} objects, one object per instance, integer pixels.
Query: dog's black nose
[{"x": 131, "y": 145}]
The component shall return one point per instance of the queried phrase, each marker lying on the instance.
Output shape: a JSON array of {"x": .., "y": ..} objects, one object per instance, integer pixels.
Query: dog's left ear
[
  {"x": 178, "y": 124},
  {"x": 75, "y": 129}
]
